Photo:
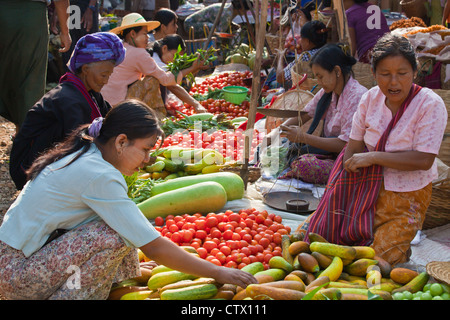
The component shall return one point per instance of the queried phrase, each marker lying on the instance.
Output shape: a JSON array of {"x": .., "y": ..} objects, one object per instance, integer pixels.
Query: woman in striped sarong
[{"x": 380, "y": 187}]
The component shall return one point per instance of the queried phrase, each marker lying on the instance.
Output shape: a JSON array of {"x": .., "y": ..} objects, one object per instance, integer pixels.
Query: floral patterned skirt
[
  {"x": 82, "y": 264},
  {"x": 147, "y": 90}
]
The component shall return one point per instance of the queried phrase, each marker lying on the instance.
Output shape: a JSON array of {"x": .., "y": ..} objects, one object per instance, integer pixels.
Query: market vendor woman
[
  {"x": 139, "y": 76},
  {"x": 79, "y": 187},
  {"x": 311, "y": 156},
  {"x": 76, "y": 100},
  {"x": 380, "y": 187}
]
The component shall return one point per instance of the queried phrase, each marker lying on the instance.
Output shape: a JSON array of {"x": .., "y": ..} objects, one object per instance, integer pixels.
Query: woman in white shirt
[{"x": 79, "y": 187}]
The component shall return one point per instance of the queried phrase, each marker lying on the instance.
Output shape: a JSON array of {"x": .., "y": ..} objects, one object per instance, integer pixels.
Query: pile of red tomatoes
[
  {"x": 230, "y": 239},
  {"x": 230, "y": 143},
  {"x": 220, "y": 81},
  {"x": 215, "y": 106}
]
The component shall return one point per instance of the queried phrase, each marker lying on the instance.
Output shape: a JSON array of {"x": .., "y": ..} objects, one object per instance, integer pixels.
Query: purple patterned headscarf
[{"x": 99, "y": 46}]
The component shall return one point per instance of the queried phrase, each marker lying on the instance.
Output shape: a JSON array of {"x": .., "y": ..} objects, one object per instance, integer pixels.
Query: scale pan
[{"x": 278, "y": 199}]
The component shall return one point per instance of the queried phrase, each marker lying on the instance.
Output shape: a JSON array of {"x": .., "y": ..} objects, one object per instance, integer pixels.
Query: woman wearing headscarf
[{"x": 75, "y": 101}]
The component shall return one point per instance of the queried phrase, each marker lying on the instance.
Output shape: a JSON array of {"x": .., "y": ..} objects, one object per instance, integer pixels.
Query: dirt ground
[{"x": 8, "y": 191}]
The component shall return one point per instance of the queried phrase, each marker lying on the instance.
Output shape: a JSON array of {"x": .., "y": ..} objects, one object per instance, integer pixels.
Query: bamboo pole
[{"x": 260, "y": 35}]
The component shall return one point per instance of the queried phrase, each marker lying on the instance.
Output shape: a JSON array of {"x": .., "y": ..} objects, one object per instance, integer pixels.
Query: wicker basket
[
  {"x": 439, "y": 270},
  {"x": 438, "y": 213},
  {"x": 414, "y": 8},
  {"x": 275, "y": 42},
  {"x": 254, "y": 173}
]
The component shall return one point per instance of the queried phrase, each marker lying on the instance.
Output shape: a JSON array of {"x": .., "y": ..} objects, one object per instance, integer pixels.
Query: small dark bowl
[{"x": 297, "y": 205}]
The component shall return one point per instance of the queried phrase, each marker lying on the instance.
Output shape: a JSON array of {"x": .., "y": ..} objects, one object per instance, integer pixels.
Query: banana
[{"x": 334, "y": 270}]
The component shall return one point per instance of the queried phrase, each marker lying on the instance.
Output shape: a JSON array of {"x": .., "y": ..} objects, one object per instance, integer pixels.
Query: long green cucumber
[
  {"x": 231, "y": 182},
  {"x": 198, "y": 292},
  {"x": 202, "y": 197}
]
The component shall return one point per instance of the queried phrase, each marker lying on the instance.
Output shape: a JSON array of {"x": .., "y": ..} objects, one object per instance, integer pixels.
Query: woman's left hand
[{"x": 359, "y": 160}]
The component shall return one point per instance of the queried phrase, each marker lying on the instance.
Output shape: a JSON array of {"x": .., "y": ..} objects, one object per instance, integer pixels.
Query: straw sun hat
[{"x": 133, "y": 20}]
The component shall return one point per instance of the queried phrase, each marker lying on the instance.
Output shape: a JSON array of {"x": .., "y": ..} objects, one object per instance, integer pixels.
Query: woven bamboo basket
[
  {"x": 414, "y": 8},
  {"x": 295, "y": 99},
  {"x": 275, "y": 41},
  {"x": 362, "y": 72},
  {"x": 439, "y": 270},
  {"x": 254, "y": 173},
  {"x": 438, "y": 213}
]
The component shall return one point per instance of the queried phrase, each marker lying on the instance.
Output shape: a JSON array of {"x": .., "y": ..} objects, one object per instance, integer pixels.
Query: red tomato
[
  {"x": 159, "y": 221},
  {"x": 176, "y": 237},
  {"x": 234, "y": 217},
  {"x": 187, "y": 235},
  {"x": 231, "y": 264},
  {"x": 201, "y": 234},
  {"x": 211, "y": 222},
  {"x": 226, "y": 250},
  {"x": 221, "y": 257},
  {"x": 200, "y": 223},
  {"x": 209, "y": 245},
  {"x": 227, "y": 234},
  {"x": 215, "y": 233}
]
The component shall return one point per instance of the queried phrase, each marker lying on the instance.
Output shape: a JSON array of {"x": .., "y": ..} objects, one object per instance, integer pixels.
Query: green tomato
[
  {"x": 436, "y": 289},
  {"x": 446, "y": 287},
  {"x": 418, "y": 294},
  {"x": 398, "y": 296},
  {"x": 426, "y": 296},
  {"x": 426, "y": 287},
  {"x": 445, "y": 296},
  {"x": 407, "y": 295},
  {"x": 437, "y": 298},
  {"x": 417, "y": 298}
]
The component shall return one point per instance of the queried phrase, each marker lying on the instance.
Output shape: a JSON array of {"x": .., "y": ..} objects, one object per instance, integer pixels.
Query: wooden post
[{"x": 260, "y": 35}]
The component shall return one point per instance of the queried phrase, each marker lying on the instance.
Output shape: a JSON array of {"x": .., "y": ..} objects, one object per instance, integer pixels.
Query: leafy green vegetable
[
  {"x": 169, "y": 125},
  {"x": 184, "y": 61},
  {"x": 139, "y": 189}
]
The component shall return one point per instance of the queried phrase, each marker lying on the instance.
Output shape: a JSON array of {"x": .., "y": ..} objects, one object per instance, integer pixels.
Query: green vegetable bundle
[
  {"x": 184, "y": 61},
  {"x": 170, "y": 125}
]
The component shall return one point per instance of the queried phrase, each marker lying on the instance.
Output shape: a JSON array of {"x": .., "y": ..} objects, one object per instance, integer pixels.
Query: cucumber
[
  {"x": 162, "y": 279},
  {"x": 201, "y": 116},
  {"x": 231, "y": 182},
  {"x": 238, "y": 120},
  {"x": 199, "y": 292},
  {"x": 202, "y": 197}
]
